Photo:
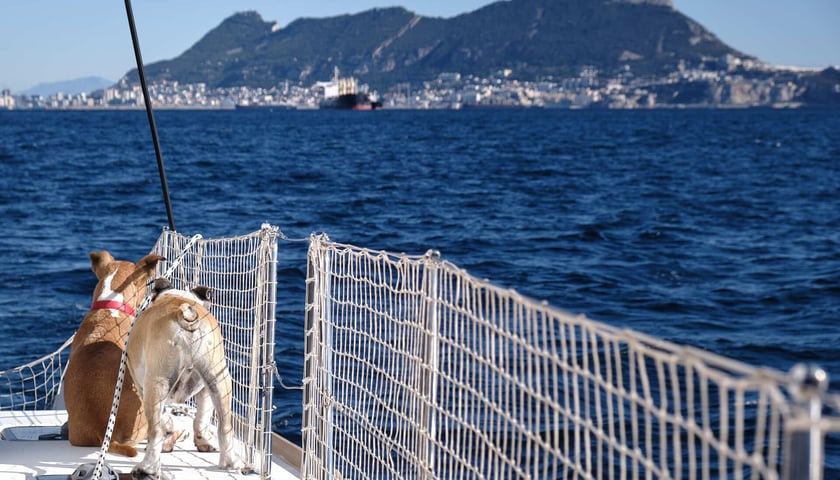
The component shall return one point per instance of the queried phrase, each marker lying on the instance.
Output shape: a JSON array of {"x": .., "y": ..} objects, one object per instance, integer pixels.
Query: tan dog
[
  {"x": 95, "y": 357},
  {"x": 176, "y": 352}
]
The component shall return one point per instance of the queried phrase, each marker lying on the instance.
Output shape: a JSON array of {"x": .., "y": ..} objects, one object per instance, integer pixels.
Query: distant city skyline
[{"x": 53, "y": 40}]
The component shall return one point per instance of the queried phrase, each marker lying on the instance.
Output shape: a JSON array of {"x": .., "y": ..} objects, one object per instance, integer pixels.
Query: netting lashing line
[
  {"x": 115, "y": 404},
  {"x": 280, "y": 380},
  {"x": 274, "y": 368}
]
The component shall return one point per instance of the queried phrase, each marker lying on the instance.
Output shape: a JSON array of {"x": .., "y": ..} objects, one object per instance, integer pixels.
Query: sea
[{"x": 718, "y": 229}]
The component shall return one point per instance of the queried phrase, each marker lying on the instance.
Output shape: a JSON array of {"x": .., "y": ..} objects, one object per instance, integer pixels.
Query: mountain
[
  {"x": 69, "y": 87},
  {"x": 532, "y": 38}
]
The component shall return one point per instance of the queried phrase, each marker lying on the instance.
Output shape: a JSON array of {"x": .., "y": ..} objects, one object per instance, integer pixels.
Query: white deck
[{"x": 27, "y": 460}]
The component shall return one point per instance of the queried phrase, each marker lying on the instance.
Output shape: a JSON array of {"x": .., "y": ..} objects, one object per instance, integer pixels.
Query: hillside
[{"x": 532, "y": 38}]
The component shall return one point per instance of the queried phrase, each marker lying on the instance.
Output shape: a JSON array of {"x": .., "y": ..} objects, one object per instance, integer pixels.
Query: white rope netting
[
  {"x": 416, "y": 369},
  {"x": 36, "y": 385}
]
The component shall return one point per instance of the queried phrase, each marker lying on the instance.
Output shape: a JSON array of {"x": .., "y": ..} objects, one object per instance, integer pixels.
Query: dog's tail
[
  {"x": 187, "y": 317},
  {"x": 122, "y": 449}
]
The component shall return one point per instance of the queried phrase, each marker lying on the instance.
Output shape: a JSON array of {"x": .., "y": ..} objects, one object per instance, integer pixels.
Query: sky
[{"x": 45, "y": 41}]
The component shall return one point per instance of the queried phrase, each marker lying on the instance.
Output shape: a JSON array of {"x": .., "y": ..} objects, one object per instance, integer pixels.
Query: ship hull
[{"x": 351, "y": 101}]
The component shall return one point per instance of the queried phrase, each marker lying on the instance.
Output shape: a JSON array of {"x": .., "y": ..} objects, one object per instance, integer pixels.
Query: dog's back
[
  {"x": 95, "y": 356},
  {"x": 177, "y": 336}
]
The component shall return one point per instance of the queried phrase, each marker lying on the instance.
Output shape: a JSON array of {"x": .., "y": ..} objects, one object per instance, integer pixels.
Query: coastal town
[{"x": 726, "y": 82}]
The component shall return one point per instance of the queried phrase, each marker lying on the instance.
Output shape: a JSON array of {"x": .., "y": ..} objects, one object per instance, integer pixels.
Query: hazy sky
[{"x": 54, "y": 40}]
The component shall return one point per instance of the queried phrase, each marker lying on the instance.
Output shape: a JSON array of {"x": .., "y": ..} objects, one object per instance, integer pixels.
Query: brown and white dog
[
  {"x": 176, "y": 352},
  {"x": 96, "y": 352}
]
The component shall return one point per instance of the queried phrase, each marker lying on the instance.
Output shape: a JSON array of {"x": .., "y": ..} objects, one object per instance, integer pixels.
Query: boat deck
[{"x": 24, "y": 457}]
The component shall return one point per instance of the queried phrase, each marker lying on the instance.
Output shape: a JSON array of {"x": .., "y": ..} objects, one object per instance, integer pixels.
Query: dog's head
[
  {"x": 201, "y": 294},
  {"x": 120, "y": 280}
]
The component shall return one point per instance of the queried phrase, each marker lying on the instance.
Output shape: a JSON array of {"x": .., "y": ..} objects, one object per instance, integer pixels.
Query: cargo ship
[{"x": 343, "y": 94}]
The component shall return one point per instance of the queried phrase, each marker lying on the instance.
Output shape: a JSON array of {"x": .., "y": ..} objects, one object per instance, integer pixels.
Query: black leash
[{"x": 149, "y": 113}]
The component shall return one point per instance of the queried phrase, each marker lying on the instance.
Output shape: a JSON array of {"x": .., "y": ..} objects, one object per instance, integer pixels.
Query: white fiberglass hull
[{"x": 24, "y": 457}]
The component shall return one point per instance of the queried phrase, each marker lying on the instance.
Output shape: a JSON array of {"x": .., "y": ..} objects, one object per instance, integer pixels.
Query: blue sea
[{"x": 713, "y": 228}]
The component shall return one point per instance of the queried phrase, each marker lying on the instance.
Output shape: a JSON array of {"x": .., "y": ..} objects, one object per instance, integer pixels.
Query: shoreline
[{"x": 775, "y": 106}]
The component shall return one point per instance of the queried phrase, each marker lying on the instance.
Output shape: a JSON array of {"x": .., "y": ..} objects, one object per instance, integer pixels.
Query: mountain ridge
[{"x": 383, "y": 46}]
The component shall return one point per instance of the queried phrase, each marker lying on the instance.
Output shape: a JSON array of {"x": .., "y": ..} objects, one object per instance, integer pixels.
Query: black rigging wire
[{"x": 149, "y": 113}]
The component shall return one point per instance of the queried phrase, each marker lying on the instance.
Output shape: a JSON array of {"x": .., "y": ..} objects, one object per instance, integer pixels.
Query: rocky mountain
[{"x": 533, "y": 38}]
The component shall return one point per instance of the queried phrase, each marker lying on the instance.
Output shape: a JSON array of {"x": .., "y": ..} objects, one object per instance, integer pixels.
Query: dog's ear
[
  {"x": 149, "y": 262},
  {"x": 100, "y": 263},
  {"x": 161, "y": 285},
  {"x": 204, "y": 293}
]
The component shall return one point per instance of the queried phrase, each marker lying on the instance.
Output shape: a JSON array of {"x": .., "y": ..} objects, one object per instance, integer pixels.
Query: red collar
[{"x": 114, "y": 305}]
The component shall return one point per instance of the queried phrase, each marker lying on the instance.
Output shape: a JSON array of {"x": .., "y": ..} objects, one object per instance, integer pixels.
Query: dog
[
  {"x": 176, "y": 352},
  {"x": 95, "y": 355}
]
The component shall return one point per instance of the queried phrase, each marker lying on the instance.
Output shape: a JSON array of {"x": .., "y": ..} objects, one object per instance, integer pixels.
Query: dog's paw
[
  {"x": 148, "y": 473},
  {"x": 205, "y": 447},
  {"x": 205, "y": 444},
  {"x": 169, "y": 440},
  {"x": 141, "y": 473},
  {"x": 233, "y": 462}
]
